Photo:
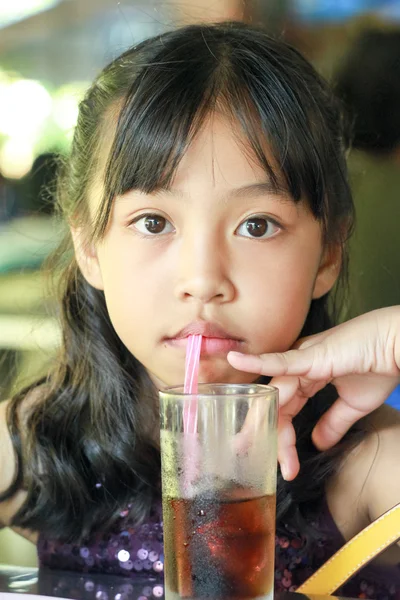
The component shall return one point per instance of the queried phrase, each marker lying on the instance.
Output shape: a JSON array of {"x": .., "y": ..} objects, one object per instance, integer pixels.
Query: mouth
[{"x": 215, "y": 339}]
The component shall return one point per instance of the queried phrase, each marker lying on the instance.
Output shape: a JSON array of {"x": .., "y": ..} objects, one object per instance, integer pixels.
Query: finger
[
  {"x": 287, "y": 453},
  {"x": 290, "y": 404},
  {"x": 244, "y": 438},
  {"x": 288, "y": 390},
  {"x": 294, "y": 392},
  {"x": 287, "y": 397},
  {"x": 333, "y": 424},
  {"x": 293, "y": 362},
  {"x": 312, "y": 340},
  {"x": 259, "y": 411},
  {"x": 250, "y": 363}
]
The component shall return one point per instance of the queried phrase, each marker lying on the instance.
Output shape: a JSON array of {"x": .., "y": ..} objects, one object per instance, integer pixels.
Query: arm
[
  {"x": 368, "y": 482},
  {"x": 7, "y": 465},
  {"x": 360, "y": 357},
  {"x": 382, "y": 488},
  {"x": 7, "y": 468},
  {"x": 9, "y": 507}
]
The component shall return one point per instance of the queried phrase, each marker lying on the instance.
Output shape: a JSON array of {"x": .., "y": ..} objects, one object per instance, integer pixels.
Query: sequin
[
  {"x": 142, "y": 554},
  {"x": 123, "y": 556},
  {"x": 153, "y": 556},
  {"x": 89, "y": 586},
  {"x": 127, "y": 588},
  {"x": 128, "y": 565},
  {"x": 158, "y": 591},
  {"x": 147, "y": 545},
  {"x": 119, "y": 551},
  {"x": 138, "y": 565},
  {"x": 147, "y": 565},
  {"x": 147, "y": 591},
  {"x": 158, "y": 566}
]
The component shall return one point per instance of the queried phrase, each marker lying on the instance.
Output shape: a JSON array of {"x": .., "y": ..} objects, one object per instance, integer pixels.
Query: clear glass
[{"x": 219, "y": 491}]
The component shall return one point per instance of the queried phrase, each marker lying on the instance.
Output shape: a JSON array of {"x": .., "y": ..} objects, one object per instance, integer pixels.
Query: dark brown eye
[
  {"x": 155, "y": 224},
  {"x": 258, "y": 227}
]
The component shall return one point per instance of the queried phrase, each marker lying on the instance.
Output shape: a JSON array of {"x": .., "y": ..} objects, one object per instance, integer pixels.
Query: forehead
[
  {"x": 219, "y": 156},
  {"x": 102, "y": 154},
  {"x": 218, "y": 159}
]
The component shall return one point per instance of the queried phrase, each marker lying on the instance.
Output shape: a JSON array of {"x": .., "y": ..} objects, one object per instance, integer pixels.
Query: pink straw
[{"x": 191, "y": 383}]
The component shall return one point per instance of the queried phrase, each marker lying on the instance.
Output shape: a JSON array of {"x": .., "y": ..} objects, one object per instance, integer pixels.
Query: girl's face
[{"x": 220, "y": 253}]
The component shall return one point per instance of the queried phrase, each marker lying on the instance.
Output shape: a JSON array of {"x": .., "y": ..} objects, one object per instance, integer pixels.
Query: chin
[
  {"x": 210, "y": 373},
  {"x": 212, "y": 369}
]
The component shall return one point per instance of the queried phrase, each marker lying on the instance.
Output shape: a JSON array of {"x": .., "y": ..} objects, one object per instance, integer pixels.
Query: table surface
[{"x": 65, "y": 584}]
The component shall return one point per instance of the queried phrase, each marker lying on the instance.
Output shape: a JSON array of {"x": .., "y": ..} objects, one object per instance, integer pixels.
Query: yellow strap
[{"x": 355, "y": 554}]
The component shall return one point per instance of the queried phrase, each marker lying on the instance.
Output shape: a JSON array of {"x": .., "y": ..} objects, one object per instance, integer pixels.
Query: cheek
[
  {"x": 128, "y": 275},
  {"x": 131, "y": 302},
  {"x": 128, "y": 292},
  {"x": 279, "y": 294},
  {"x": 132, "y": 317}
]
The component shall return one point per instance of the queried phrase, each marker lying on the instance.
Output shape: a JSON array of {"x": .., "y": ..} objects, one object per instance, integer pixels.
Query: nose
[{"x": 203, "y": 270}]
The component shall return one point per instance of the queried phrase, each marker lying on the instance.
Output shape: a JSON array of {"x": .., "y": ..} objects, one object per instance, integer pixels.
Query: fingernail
[
  {"x": 238, "y": 354},
  {"x": 284, "y": 471}
]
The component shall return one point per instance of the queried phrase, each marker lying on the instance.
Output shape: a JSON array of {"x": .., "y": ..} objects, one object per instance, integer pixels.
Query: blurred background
[{"x": 50, "y": 50}]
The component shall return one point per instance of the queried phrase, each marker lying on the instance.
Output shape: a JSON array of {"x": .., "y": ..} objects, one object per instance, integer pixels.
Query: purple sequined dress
[{"x": 135, "y": 552}]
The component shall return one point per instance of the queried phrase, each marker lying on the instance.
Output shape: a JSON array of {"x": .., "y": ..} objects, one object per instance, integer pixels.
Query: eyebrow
[
  {"x": 251, "y": 190},
  {"x": 254, "y": 190}
]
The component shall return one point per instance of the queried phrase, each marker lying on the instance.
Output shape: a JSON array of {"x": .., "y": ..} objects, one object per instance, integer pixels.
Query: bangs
[{"x": 253, "y": 83}]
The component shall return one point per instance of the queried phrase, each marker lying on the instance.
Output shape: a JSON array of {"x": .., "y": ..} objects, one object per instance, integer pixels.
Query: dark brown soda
[{"x": 220, "y": 546}]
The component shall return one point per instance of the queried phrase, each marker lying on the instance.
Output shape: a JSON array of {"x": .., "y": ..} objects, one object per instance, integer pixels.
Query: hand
[{"x": 361, "y": 358}]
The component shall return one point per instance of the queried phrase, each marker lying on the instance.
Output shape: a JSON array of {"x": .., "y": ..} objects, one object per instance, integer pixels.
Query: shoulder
[
  {"x": 381, "y": 452},
  {"x": 369, "y": 475},
  {"x": 367, "y": 483},
  {"x": 7, "y": 469},
  {"x": 10, "y": 506},
  {"x": 7, "y": 466}
]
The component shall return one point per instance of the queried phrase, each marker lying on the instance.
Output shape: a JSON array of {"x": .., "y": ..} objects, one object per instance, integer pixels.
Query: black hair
[{"x": 86, "y": 449}]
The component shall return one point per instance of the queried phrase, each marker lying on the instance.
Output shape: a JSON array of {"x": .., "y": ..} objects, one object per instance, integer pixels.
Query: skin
[
  {"x": 343, "y": 356},
  {"x": 259, "y": 290},
  {"x": 361, "y": 358},
  {"x": 205, "y": 265}
]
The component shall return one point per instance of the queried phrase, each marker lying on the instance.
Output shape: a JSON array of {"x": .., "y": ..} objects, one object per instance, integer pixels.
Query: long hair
[{"x": 83, "y": 443}]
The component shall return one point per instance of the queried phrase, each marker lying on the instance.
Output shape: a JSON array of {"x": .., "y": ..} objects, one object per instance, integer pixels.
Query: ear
[
  {"x": 86, "y": 257},
  {"x": 328, "y": 271}
]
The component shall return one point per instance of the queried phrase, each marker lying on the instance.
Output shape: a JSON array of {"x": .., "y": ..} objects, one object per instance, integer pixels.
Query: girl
[{"x": 206, "y": 192}]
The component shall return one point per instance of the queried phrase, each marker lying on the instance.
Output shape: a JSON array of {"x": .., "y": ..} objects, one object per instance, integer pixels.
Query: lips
[
  {"x": 206, "y": 329},
  {"x": 215, "y": 339}
]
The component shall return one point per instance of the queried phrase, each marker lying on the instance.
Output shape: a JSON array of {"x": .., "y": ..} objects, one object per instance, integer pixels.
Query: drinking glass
[{"x": 219, "y": 490}]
